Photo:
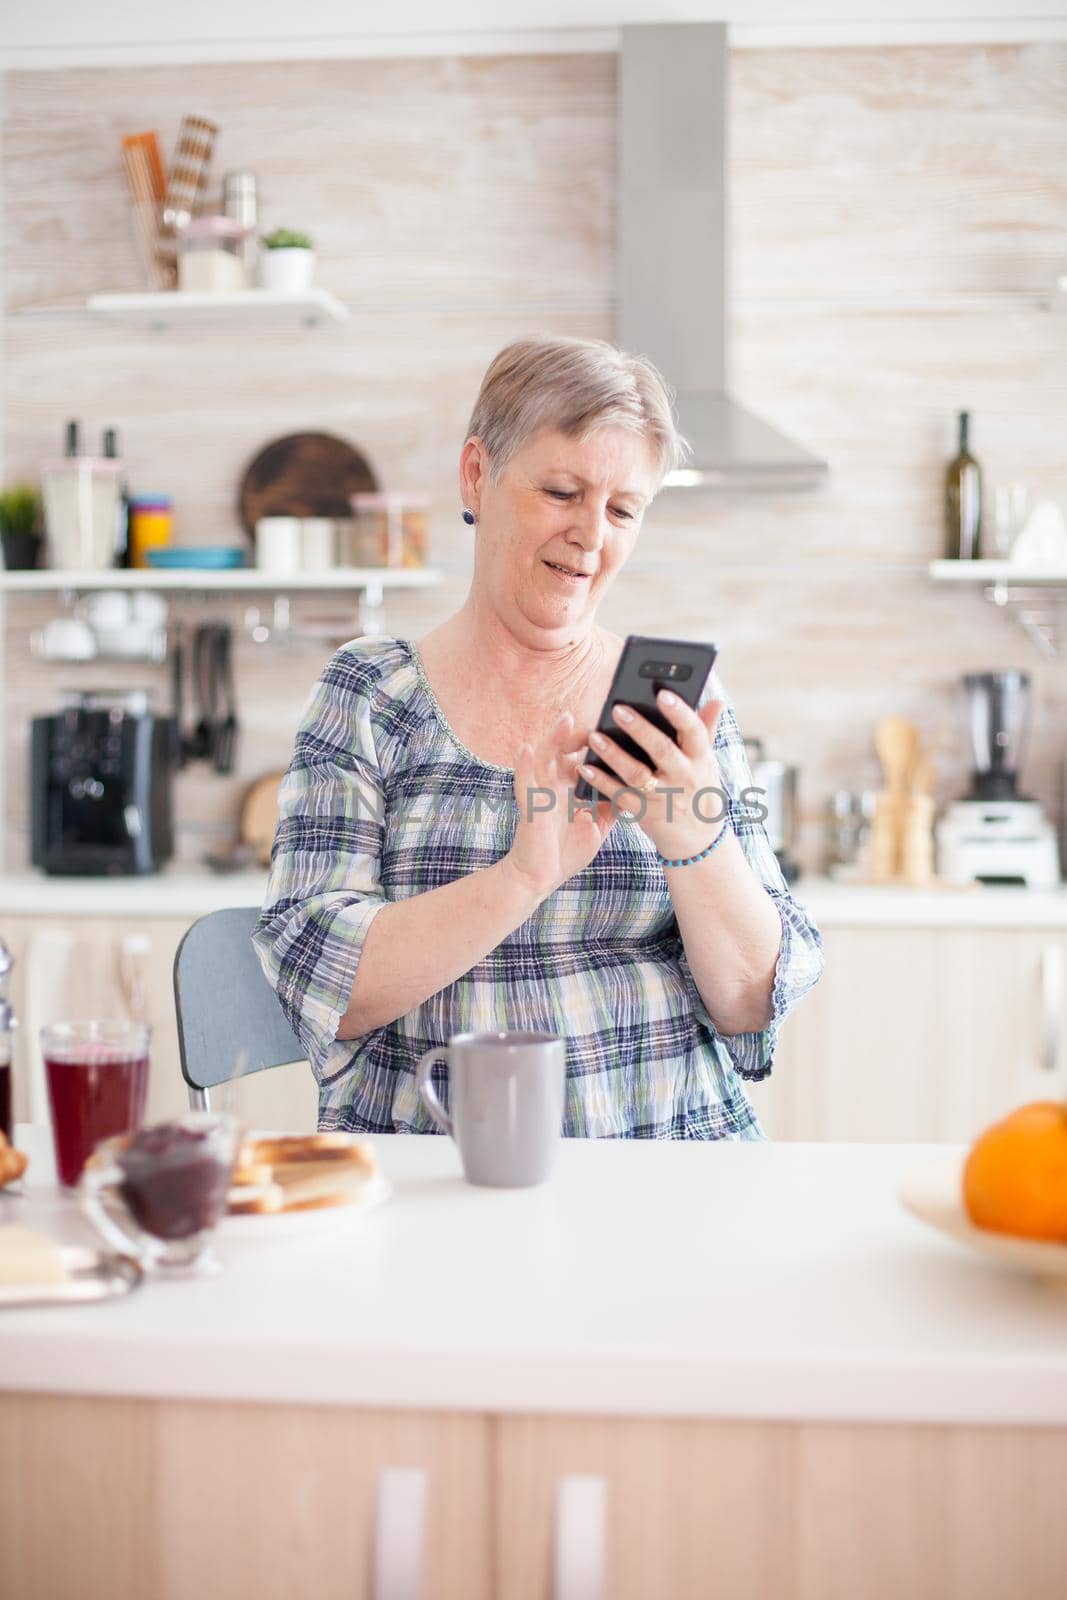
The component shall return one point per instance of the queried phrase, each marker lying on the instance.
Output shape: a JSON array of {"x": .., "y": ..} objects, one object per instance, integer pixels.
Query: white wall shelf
[
  {"x": 1035, "y": 597},
  {"x": 980, "y": 573},
  {"x": 234, "y": 580},
  {"x": 164, "y": 309}
]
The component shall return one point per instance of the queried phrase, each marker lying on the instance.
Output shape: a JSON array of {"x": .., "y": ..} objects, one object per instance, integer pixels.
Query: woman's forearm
[
  {"x": 732, "y": 934},
  {"x": 414, "y": 947}
]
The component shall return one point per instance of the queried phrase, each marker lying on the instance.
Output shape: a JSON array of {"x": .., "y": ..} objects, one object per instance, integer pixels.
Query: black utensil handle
[
  {"x": 199, "y": 744},
  {"x": 177, "y": 673},
  {"x": 216, "y": 715},
  {"x": 229, "y": 727}
]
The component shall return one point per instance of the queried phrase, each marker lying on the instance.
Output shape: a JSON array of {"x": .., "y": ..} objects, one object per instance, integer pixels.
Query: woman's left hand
[{"x": 676, "y": 791}]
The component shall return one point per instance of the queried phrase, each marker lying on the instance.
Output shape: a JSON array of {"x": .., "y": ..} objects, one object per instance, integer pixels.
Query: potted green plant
[
  {"x": 20, "y": 527},
  {"x": 288, "y": 261}
]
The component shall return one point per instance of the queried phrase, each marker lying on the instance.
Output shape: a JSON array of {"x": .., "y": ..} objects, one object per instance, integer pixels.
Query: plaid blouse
[{"x": 383, "y": 801}]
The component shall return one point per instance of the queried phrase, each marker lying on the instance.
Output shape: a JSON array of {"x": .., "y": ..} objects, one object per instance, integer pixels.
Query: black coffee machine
[{"x": 101, "y": 785}]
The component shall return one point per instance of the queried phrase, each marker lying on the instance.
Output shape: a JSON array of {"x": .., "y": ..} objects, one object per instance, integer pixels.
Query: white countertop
[
  {"x": 175, "y": 892},
  {"x": 852, "y": 905},
  {"x": 185, "y": 892},
  {"x": 646, "y": 1278}
]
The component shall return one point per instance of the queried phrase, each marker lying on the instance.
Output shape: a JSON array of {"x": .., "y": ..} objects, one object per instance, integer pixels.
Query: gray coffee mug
[{"x": 506, "y": 1092}]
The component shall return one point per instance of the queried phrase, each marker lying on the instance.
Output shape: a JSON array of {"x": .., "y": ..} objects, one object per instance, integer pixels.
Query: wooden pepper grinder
[
  {"x": 897, "y": 742},
  {"x": 917, "y": 844}
]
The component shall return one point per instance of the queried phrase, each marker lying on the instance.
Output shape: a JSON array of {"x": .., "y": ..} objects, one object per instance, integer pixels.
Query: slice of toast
[
  {"x": 299, "y": 1171},
  {"x": 304, "y": 1181},
  {"x": 347, "y": 1148},
  {"x": 247, "y": 1200}
]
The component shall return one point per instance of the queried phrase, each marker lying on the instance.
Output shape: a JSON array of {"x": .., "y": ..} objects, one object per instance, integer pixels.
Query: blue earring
[{"x": 469, "y": 518}]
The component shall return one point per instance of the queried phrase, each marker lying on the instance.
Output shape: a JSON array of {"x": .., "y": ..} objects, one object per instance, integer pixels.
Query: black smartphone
[{"x": 645, "y": 667}]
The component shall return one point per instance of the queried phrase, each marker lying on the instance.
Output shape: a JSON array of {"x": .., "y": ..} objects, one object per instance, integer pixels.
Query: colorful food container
[
  {"x": 150, "y": 526},
  {"x": 386, "y": 530}
]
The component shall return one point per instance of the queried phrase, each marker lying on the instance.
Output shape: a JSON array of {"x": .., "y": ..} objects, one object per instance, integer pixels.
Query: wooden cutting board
[
  {"x": 303, "y": 475},
  {"x": 259, "y": 815}
]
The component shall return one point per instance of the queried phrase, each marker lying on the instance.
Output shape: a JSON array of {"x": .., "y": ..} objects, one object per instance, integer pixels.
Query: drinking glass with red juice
[{"x": 97, "y": 1076}]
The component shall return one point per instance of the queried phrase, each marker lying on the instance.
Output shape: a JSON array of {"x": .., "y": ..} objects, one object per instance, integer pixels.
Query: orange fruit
[{"x": 1015, "y": 1177}]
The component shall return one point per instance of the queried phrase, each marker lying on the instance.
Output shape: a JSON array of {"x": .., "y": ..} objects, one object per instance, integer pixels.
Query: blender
[{"x": 994, "y": 834}]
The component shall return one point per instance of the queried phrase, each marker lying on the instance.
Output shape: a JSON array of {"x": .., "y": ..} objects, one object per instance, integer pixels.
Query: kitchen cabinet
[
  {"x": 123, "y": 967},
  {"x": 920, "y": 1033},
  {"x": 798, "y": 1511},
  {"x": 175, "y": 1498},
  {"x": 914, "y": 1032}
]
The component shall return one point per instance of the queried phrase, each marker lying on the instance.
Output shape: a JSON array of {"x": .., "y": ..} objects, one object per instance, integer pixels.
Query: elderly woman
[{"x": 417, "y": 888}]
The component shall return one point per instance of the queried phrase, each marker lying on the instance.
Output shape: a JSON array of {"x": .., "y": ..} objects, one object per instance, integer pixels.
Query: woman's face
[{"x": 555, "y": 530}]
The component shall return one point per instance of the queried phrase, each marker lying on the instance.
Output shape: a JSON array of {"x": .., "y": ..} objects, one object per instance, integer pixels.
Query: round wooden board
[
  {"x": 303, "y": 475},
  {"x": 259, "y": 814}
]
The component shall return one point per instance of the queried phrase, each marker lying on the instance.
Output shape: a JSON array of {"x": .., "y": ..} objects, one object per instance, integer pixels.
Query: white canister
[
  {"x": 80, "y": 505},
  {"x": 210, "y": 256},
  {"x": 318, "y": 543},
  {"x": 279, "y": 544}
]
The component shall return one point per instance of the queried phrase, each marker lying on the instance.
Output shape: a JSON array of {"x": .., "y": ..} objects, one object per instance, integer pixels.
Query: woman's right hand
[{"x": 554, "y": 839}]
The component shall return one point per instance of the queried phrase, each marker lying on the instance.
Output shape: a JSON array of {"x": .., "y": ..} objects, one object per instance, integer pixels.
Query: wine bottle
[{"x": 963, "y": 500}]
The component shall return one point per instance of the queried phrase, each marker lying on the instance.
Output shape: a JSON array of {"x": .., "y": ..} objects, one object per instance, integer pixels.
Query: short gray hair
[{"x": 574, "y": 386}]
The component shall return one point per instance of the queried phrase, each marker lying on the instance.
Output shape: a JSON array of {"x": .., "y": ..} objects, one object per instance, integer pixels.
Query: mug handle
[
  {"x": 95, "y": 1183},
  {"x": 426, "y": 1090}
]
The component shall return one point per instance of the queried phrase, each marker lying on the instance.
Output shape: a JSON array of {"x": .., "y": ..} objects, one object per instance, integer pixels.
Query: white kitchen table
[
  {"x": 646, "y": 1278},
  {"x": 750, "y": 1294}
]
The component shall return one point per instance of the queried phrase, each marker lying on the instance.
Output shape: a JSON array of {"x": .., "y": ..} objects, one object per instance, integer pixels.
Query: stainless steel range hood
[{"x": 671, "y": 290}]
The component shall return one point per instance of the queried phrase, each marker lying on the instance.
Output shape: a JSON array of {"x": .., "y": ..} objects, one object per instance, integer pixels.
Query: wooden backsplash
[{"x": 897, "y": 219}]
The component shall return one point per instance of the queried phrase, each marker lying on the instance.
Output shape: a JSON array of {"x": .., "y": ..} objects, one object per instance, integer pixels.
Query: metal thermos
[
  {"x": 240, "y": 200},
  {"x": 778, "y": 785}
]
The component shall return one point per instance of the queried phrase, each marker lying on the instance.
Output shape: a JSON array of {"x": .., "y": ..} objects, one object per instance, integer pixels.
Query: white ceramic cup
[
  {"x": 67, "y": 639},
  {"x": 279, "y": 544},
  {"x": 318, "y": 544},
  {"x": 507, "y": 1093}
]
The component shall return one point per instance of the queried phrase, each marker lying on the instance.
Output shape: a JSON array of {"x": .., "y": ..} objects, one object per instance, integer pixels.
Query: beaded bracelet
[{"x": 687, "y": 861}]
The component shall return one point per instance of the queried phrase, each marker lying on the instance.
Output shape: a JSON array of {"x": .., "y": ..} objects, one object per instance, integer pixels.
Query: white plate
[
  {"x": 269, "y": 1227},
  {"x": 92, "y": 1275},
  {"x": 934, "y": 1194}
]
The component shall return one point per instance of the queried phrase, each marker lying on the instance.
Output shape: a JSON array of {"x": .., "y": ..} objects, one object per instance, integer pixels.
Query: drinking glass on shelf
[
  {"x": 97, "y": 1075},
  {"x": 1011, "y": 503}
]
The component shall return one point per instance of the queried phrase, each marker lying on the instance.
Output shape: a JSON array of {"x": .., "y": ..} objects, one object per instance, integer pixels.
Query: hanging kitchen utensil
[
  {"x": 303, "y": 475},
  {"x": 227, "y": 728},
  {"x": 202, "y": 743},
  {"x": 177, "y": 671}
]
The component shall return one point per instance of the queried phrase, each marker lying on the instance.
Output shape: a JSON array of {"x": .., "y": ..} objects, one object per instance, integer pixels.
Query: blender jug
[{"x": 999, "y": 705}]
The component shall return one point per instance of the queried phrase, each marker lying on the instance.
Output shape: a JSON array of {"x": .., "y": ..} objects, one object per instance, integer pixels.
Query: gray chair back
[{"x": 229, "y": 1019}]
